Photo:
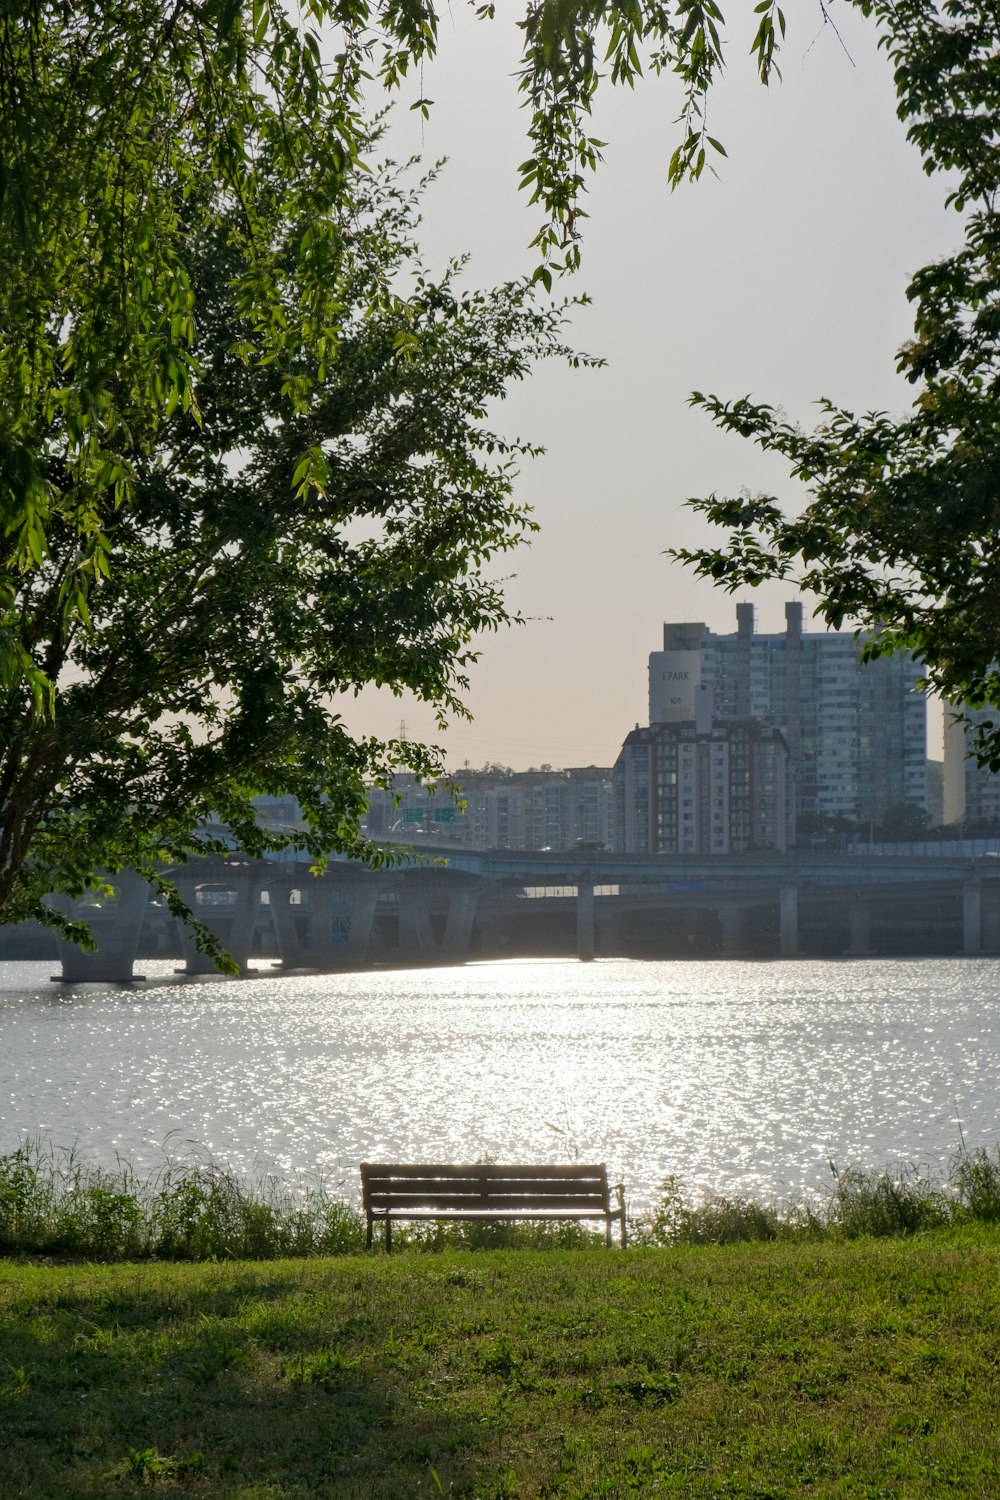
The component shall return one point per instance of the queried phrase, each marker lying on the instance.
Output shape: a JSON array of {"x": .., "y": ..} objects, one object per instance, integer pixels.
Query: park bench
[{"x": 392, "y": 1191}]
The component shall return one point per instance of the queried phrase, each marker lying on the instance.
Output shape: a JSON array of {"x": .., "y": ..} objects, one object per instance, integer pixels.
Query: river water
[{"x": 735, "y": 1077}]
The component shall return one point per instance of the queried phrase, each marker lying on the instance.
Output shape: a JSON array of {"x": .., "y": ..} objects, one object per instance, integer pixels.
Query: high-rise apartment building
[
  {"x": 513, "y": 810},
  {"x": 971, "y": 792},
  {"x": 856, "y": 731},
  {"x": 703, "y": 787}
]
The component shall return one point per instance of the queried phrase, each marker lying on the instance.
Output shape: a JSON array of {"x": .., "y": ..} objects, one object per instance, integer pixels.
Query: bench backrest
[{"x": 393, "y": 1185}]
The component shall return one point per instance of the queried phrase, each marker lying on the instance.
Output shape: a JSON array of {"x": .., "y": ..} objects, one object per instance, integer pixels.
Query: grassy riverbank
[
  {"x": 53, "y": 1203},
  {"x": 860, "y": 1368}
]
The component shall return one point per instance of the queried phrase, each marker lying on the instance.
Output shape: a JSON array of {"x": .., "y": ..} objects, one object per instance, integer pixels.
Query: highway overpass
[{"x": 454, "y": 905}]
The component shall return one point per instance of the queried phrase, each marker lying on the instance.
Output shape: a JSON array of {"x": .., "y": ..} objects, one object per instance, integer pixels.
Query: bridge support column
[
  {"x": 732, "y": 930},
  {"x": 115, "y": 925},
  {"x": 859, "y": 919},
  {"x": 491, "y": 941},
  {"x": 690, "y": 925},
  {"x": 415, "y": 934},
  {"x": 606, "y": 927},
  {"x": 585, "y": 941},
  {"x": 789, "y": 921},
  {"x": 329, "y": 927},
  {"x": 360, "y": 930},
  {"x": 458, "y": 923},
  {"x": 972, "y": 917},
  {"x": 991, "y": 918},
  {"x": 225, "y": 899}
]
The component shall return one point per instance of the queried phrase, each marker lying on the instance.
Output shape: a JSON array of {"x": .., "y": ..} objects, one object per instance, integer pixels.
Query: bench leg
[
  {"x": 607, "y": 1231},
  {"x": 368, "y": 1236},
  {"x": 388, "y": 1235}
]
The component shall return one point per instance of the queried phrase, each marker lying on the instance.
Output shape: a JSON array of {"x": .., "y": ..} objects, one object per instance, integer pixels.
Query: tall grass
[
  {"x": 54, "y": 1204},
  {"x": 891, "y": 1203}
]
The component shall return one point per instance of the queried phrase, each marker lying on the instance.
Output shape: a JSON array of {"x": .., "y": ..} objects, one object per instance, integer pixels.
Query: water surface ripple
[{"x": 737, "y": 1077}]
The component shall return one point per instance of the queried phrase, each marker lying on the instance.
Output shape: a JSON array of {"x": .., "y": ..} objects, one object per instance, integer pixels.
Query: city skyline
[{"x": 784, "y": 276}]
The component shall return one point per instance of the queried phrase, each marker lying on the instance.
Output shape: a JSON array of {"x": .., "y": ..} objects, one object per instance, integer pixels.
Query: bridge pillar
[
  {"x": 690, "y": 925},
  {"x": 415, "y": 934},
  {"x": 789, "y": 921},
  {"x": 323, "y": 921},
  {"x": 732, "y": 930},
  {"x": 606, "y": 927},
  {"x": 991, "y": 918},
  {"x": 585, "y": 937},
  {"x": 225, "y": 898},
  {"x": 115, "y": 924},
  {"x": 491, "y": 940},
  {"x": 458, "y": 923},
  {"x": 859, "y": 919},
  {"x": 972, "y": 917},
  {"x": 437, "y": 912}
]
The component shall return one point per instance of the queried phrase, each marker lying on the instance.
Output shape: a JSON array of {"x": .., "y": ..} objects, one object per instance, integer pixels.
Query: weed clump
[
  {"x": 51, "y": 1203},
  {"x": 887, "y": 1204},
  {"x": 716, "y": 1220},
  {"x": 893, "y": 1203},
  {"x": 976, "y": 1176}
]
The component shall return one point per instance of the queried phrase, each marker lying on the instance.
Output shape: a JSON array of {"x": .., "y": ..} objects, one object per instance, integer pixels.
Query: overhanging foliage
[
  {"x": 901, "y": 532},
  {"x": 303, "y": 527}
]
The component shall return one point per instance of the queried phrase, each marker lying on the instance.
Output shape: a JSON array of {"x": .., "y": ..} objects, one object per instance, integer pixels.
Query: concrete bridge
[{"x": 476, "y": 904}]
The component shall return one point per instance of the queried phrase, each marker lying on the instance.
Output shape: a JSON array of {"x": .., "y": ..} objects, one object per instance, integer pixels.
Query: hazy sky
[{"x": 784, "y": 277}]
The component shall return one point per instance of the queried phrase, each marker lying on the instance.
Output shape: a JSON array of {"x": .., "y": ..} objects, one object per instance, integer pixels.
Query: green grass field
[{"x": 863, "y": 1368}]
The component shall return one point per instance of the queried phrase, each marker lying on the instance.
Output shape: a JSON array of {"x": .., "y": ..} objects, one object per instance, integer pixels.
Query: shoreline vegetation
[
  {"x": 733, "y": 1352},
  {"x": 54, "y": 1204}
]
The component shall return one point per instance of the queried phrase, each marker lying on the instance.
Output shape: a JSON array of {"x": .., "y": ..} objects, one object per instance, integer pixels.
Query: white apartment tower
[
  {"x": 971, "y": 792},
  {"x": 856, "y": 731}
]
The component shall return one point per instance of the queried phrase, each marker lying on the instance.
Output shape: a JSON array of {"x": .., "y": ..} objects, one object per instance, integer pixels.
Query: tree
[
  {"x": 243, "y": 455},
  {"x": 301, "y": 527},
  {"x": 901, "y": 534},
  {"x": 566, "y": 42},
  {"x": 818, "y": 830},
  {"x": 174, "y": 174},
  {"x": 183, "y": 285},
  {"x": 904, "y": 823},
  {"x": 113, "y": 114}
]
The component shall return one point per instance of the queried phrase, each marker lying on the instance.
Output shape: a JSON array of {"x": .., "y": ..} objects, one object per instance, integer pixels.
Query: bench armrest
[{"x": 620, "y": 1195}]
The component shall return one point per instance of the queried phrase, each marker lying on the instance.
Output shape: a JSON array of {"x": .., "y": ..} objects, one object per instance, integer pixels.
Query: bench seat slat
[
  {"x": 489, "y": 1169},
  {"x": 565, "y": 1186},
  {"x": 514, "y": 1187},
  {"x": 511, "y": 1202},
  {"x": 442, "y": 1216}
]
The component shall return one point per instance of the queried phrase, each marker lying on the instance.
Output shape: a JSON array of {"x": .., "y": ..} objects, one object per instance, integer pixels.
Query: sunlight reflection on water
[{"x": 740, "y": 1077}]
